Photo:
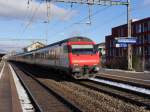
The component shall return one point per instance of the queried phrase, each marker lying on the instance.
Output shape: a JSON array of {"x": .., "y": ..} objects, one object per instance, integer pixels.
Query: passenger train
[{"x": 74, "y": 56}]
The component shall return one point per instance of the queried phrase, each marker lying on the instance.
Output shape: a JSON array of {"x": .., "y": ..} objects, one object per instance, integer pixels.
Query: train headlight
[
  {"x": 96, "y": 68},
  {"x": 76, "y": 68}
]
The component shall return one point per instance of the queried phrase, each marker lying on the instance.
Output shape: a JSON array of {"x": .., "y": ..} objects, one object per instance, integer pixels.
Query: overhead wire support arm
[
  {"x": 91, "y": 2},
  {"x": 89, "y": 7}
]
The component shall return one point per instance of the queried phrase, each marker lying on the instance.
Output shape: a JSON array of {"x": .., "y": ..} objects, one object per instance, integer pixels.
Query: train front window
[{"x": 83, "y": 49}]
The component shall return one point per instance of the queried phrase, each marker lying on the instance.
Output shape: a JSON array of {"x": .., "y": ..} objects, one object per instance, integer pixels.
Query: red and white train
[{"x": 75, "y": 56}]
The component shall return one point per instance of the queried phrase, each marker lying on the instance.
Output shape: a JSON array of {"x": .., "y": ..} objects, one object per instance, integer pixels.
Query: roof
[
  {"x": 35, "y": 43},
  {"x": 125, "y": 25},
  {"x": 133, "y": 22}
]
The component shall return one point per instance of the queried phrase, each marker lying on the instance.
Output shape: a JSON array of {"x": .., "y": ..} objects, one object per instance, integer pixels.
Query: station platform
[
  {"x": 139, "y": 78},
  {"x": 9, "y": 100}
]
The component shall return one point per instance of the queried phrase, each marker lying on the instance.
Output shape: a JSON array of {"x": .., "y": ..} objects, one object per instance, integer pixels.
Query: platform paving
[
  {"x": 136, "y": 77},
  {"x": 9, "y": 101}
]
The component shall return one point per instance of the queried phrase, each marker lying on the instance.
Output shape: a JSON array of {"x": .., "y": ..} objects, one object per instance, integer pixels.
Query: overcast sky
[{"x": 27, "y": 21}]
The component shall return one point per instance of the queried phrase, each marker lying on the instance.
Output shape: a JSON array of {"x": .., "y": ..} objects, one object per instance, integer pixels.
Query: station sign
[
  {"x": 125, "y": 40},
  {"x": 123, "y": 45}
]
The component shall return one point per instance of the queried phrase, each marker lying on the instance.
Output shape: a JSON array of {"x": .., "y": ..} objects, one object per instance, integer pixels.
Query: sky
[{"x": 30, "y": 22}]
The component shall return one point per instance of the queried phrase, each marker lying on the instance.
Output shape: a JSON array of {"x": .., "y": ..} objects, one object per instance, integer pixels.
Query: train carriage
[{"x": 75, "y": 56}]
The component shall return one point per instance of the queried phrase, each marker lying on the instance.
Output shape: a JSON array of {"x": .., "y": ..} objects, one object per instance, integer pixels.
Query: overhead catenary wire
[
  {"x": 31, "y": 19},
  {"x": 27, "y": 15},
  {"x": 110, "y": 20},
  {"x": 104, "y": 23},
  {"x": 64, "y": 16},
  {"x": 92, "y": 15},
  {"x": 87, "y": 17},
  {"x": 48, "y": 7},
  {"x": 33, "y": 15},
  {"x": 72, "y": 25},
  {"x": 48, "y": 16}
]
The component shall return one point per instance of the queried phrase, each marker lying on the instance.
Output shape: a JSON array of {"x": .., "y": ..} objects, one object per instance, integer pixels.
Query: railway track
[
  {"x": 118, "y": 93},
  {"x": 43, "y": 98},
  {"x": 124, "y": 94}
]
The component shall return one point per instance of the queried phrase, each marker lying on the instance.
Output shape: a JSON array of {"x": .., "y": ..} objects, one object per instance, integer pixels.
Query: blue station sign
[{"x": 131, "y": 40}]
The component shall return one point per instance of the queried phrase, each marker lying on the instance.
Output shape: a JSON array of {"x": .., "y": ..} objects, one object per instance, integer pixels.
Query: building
[
  {"x": 101, "y": 49},
  {"x": 33, "y": 46},
  {"x": 141, "y": 50}
]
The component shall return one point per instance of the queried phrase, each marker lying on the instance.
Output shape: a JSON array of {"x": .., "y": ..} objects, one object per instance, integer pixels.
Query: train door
[{"x": 64, "y": 56}]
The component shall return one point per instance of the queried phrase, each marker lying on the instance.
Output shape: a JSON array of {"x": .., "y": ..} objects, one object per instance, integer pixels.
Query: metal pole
[
  {"x": 48, "y": 19},
  {"x": 143, "y": 55},
  {"x": 89, "y": 6},
  {"x": 46, "y": 33},
  {"x": 129, "y": 35}
]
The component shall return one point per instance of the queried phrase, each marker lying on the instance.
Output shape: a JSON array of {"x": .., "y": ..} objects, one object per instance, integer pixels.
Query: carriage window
[{"x": 65, "y": 48}]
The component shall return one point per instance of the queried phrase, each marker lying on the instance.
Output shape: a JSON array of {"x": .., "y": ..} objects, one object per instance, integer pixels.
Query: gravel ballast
[{"x": 90, "y": 100}]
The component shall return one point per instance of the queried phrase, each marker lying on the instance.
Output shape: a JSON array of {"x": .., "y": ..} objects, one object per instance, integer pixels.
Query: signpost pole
[{"x": 129, "y": 35}]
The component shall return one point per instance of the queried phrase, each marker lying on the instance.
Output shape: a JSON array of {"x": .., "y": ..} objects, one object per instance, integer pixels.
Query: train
[{"x": 76, "y": 57}]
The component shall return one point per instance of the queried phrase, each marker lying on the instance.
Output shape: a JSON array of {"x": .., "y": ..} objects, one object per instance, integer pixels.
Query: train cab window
[{"x": 83, "y": 49}]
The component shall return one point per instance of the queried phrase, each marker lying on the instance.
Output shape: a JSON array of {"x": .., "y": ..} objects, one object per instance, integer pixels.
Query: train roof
[
  {"x": 78, "y": 39},
  {"x": 72, "y": 39}
]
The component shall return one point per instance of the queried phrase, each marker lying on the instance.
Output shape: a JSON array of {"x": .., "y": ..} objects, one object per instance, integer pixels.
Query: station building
[
  {"x": 33, "y": 46},
  {"x": 141, "y": 50}
]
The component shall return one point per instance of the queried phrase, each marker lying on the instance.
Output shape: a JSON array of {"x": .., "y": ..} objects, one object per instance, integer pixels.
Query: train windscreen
[{"x": 83, "y": 49}]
